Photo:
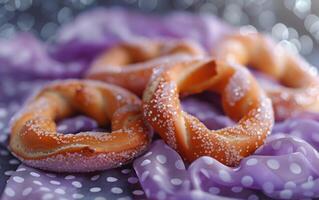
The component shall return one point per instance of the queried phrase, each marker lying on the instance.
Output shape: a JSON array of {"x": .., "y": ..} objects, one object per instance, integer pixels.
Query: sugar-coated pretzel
[
  {"x": 299, "y": 90},
  {"x": 34, "y": 138},
  {"x": 130, "y": 64},
  {"x": 242, "y": 99}
]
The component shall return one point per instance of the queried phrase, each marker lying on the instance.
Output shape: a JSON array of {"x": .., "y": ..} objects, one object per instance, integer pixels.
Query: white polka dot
[
  {"x": 18, "y": 179},
  {"x": 95, "y": 189},
  {"x": 145, "y": 162},
  {"x": 176, "y": 181},
  {"x": 45, "y": 189},
  {"x": 138, "y": 192},
  {"x": 273, "y": 164},
  {"x": 144, "y": 175},
  {"x": 290, "y": 185},
  {"x": 247, "y": 181},
  {"x": 124, "y": 198},
  {"x": 94, "y": 178},
  {"x": 8, "y": 172},
  {"x": 4, "y": 153},
  {"x": 116, "y": 190},
  {"x": 285, "y": 194},
  {"x": 77, "y": 184},
  {"x": 295, "y": 168},
  {"x": 77, "y": 196},
  {"x": 59, "y": 191},
  {"x": 179, "y": 165},
  {"x": 47, "y": 196},
  {"x": 132, "y": 180},
  {"x": 3, "y": 113},
  {"x": 214, "y": 190},
  {"x": 161, "y": 159},
  {"x": 157, "y": 178},
  {"x": 308, "y": 185},
  {"x": 224, "y": 176},
  {"x": 148, "y": 154},
  {"x": 9, "y": 192},
  {"x": 111, "y": 179},
  {"x": 55, "y": 182},
  {"x": 69, "y": 177},
  {"x": 21, "y": 169},
  {"x": 26, "y": 191},
  {"x": 237, "y": 189},
  {"x": 268, "y": 187},
  {"x": 37, "y": 182},
  {"x": 34, "y": 174},
  {"x": 126, "y": 171},
  {"x": 251, "y": 162},
  {"x": 99, "y": 198},
  {"x": 13, "y": 161},
  {"x": 253, "y": 197}
]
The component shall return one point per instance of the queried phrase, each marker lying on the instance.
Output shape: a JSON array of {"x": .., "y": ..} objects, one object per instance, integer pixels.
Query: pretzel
[
  {"x": 242, "y": 100},
  {"x": 299, "y": 89},
  {"x": 130, "y": 64},
  {"x": 35, "y": 140}
]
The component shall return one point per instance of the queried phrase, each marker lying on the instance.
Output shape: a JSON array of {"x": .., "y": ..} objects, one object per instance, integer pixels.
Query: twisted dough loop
[
  {"x": 300, "y": 84},
  {"x": 34, "y": 138},
  {"x": 242, "y": 100},
  {"x": 130, "y": 65}
]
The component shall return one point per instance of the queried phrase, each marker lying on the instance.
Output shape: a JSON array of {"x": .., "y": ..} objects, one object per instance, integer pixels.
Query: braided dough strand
[
  {"x": 242, "y": 99},
  {"x": 130, "y": 64},
  {"x": 34, "y": 138},
  {"x": 300, "y": 83}
]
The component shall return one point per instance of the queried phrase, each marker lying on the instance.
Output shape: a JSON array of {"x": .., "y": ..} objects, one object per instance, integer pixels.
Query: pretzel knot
[
  {"x": 299, "y": 90},
  {"x": 34, "y": 138},
  {"x": 242, "y": 100},
  {"x": 130, "y": 64}
]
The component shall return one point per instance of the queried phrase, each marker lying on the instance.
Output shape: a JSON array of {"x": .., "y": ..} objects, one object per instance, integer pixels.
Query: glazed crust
[
  {"x": 130, "y": 64},
  {"x": 299, "y": 90},
  {"x": 242, "y": 99},
  {"x": 35, "y": 140}
]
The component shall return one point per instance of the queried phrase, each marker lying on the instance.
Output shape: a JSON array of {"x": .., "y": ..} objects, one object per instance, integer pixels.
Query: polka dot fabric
[
  {"x": 22, "y": 182},
  {"x": 30, "y": 183},
  {"x": 285, "y": 167}
]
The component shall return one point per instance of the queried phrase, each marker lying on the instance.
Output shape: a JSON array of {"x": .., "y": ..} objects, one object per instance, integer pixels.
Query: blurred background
[{"x": 294, "y": 23}]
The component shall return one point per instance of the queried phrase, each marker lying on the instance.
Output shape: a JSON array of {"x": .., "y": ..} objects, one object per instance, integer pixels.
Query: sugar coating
[
  {"x": 237, "y": 87},
  {"x": 229, "y": 145},
  {"x": 83, "y": 151},
  {"x": 76, "y": 162}
]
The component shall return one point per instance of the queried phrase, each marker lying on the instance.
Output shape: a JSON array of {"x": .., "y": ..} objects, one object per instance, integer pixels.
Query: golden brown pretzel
[
  {"x": 300, "y": 84},
  {"x": 34, "y": 138},
  {"x": 130, "y": 64},
  {"x": 242, "y": 99}
]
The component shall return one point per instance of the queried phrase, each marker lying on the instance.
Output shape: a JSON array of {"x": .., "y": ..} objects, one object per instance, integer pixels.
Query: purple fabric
[
  {"x": 92, "y": 32},
  {"x": 28, "y": 55},
  {"x": 285, "y": 167}
]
